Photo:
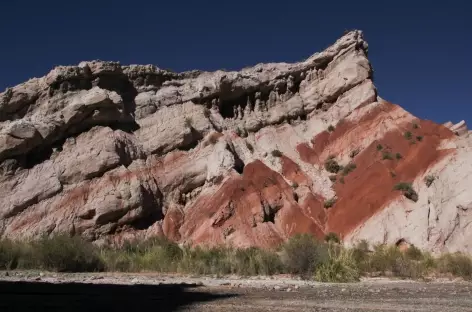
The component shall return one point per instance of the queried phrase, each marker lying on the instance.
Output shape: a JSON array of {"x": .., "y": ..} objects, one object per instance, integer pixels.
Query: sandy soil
[{"x": 38, "y": 291}]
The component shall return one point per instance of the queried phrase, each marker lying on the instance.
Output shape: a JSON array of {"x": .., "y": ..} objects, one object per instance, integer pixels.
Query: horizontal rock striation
[{"x": 114, "y": 152}]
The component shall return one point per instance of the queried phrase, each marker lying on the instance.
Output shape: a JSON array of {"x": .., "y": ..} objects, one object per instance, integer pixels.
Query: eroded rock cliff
[{"x": 247, "y": 158}]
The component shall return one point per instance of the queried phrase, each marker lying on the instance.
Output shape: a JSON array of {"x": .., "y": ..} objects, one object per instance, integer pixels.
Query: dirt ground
[{"x": 39, "y": 291}]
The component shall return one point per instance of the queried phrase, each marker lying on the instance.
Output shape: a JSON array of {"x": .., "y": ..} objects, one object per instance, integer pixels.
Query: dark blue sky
[{"x": 421, "y": 50}]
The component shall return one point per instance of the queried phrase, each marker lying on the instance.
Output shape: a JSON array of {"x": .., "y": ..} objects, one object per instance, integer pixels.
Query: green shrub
[
  {"x": 398, "y": 156},
  {"x": 276, "y": 153},
  {"x": 405, "y": 268},
  {"x": 294, "y": 185},
  {"x": 382, "y": 259},
  {"x": 354, "y": 153},
  {"x": 457, "y": 264},
  {"x": 414, "y": 253},
  {"x": 339, "y": 268},
  {"x": 331, "y": 165},
  {"x": 118, "y": 260},
  {"x": 333, "y": 178},
  {"x": 379, "y": 147},
  {"x": 188, "y": 122},
  {"x": 332, "y": 237},
  {"x": 331, "y": 128},
  {"x": 329, "y": 203},
  {"x": 349, "y": 168},
  {"x": 360, "y": 252},
  {"x": 415, "y": 125},
  {"x": 387, "y": 155},
  {"x": 10, "y": 254},
  {"x": 249, "y": 147},
  {"x": 199, "y": 260},
  {"x": 303, "y": 254},
  {"x": 255, "y": 261},
  {"x": 419, "y": 138},
  {"x": 429, "y": 179},
  {"x": 407, "y": 190},
  {"x": 63, "y": 253},
  {"x": 408, "y": 135}
]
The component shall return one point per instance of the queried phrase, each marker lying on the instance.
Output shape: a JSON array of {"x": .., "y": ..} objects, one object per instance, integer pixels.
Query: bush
[
  {"x": 408, "y": 135},
  {"x": 10, "y": 254},
  {"x": 188, "y": 122},
  {"x": 414, "y": 253},
  {"x": 331, "y": 128},
  {"x": 294, "y": 185},
  {"x": 382, "y": 259},
  {"x": 332, "y": 237},
  {"x": 340, "y": 267},
  {"x": 429, "y": 179},
  {"x": 407, "y": 190},
  {"x": 405, "y": 268},
  {"x": 419, "y": 138},
  {"x": 415, "y": 125},
  {"x": 276, "y": 153},
  {"x": 354, "y": 153},
  {"x": 360, "y": 252},
  {"x": 329, "y": 203},
  {"x": 379, "y": 147},
  {"x": 206, "y": 261},
  {"x": 331, "y": 165},
  {"x": 303, "y": 254},
  {"x": 387, "y": 155},
  {"x": 67, "y": 254},
  {"x": 398, "y": 156},
  {"x": 349, "y": 168},
  {"x": 457, "y": 264},
  {"x": 255, "y": 261},
  {"x": 333, "y": 178},
  {"x": 249, "y": 147}
]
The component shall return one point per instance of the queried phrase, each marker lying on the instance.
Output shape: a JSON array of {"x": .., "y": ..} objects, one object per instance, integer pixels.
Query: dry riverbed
[{"x": 40, "y": 291}]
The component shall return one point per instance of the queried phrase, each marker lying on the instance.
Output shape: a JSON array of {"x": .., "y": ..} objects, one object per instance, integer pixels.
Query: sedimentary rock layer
[{"x": 246, "y": 158}]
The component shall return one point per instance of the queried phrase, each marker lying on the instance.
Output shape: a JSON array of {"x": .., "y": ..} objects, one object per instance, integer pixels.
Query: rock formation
[{"x": 247, "y": 158}]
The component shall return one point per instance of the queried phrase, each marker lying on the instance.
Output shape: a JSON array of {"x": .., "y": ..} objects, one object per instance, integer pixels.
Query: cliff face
[{"x": 115, "y": 152}]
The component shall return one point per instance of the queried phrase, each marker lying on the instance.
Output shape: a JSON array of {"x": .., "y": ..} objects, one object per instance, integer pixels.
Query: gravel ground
[{"x": 39, "y": 291}]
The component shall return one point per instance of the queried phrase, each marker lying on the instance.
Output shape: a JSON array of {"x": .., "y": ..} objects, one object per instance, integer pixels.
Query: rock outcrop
[{"x": 247, "y": 158}]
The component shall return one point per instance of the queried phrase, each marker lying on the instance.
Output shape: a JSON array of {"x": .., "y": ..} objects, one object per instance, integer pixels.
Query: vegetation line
[{"x": 302, "y": 255}]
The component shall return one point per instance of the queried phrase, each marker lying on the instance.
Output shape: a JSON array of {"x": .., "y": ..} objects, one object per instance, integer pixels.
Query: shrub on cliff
[
  {"x": 331, "y": 165},
  {"x": 429, "y": 179},
  {"x": 407, "y": 190},
  {"x": 349, "y": 168},
  {"x": 276, "y": 153},
  {"x": 329, "y": 203}
]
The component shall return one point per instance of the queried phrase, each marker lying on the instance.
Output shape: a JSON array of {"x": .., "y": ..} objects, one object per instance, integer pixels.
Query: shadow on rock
[{"x": 38, "y": 296}]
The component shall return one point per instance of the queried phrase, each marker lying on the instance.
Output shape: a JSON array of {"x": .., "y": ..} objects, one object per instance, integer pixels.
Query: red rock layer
[
  {"x": 369, "y": 188},
  {"x": 258, "y": 208}
]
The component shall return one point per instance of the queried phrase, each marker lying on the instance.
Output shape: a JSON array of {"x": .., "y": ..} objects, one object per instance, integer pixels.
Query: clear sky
[{"x": 421, "y": 51}]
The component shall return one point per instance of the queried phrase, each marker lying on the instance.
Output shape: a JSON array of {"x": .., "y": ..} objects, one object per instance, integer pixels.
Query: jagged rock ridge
[{"x": 114, "y": 152}]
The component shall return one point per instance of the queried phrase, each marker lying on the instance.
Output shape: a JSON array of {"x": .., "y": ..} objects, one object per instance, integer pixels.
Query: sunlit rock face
[{"x": 248, "y": 158}]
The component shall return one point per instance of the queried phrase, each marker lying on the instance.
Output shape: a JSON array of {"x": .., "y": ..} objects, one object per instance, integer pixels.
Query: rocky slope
[{"x": 115, "y": 152}]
